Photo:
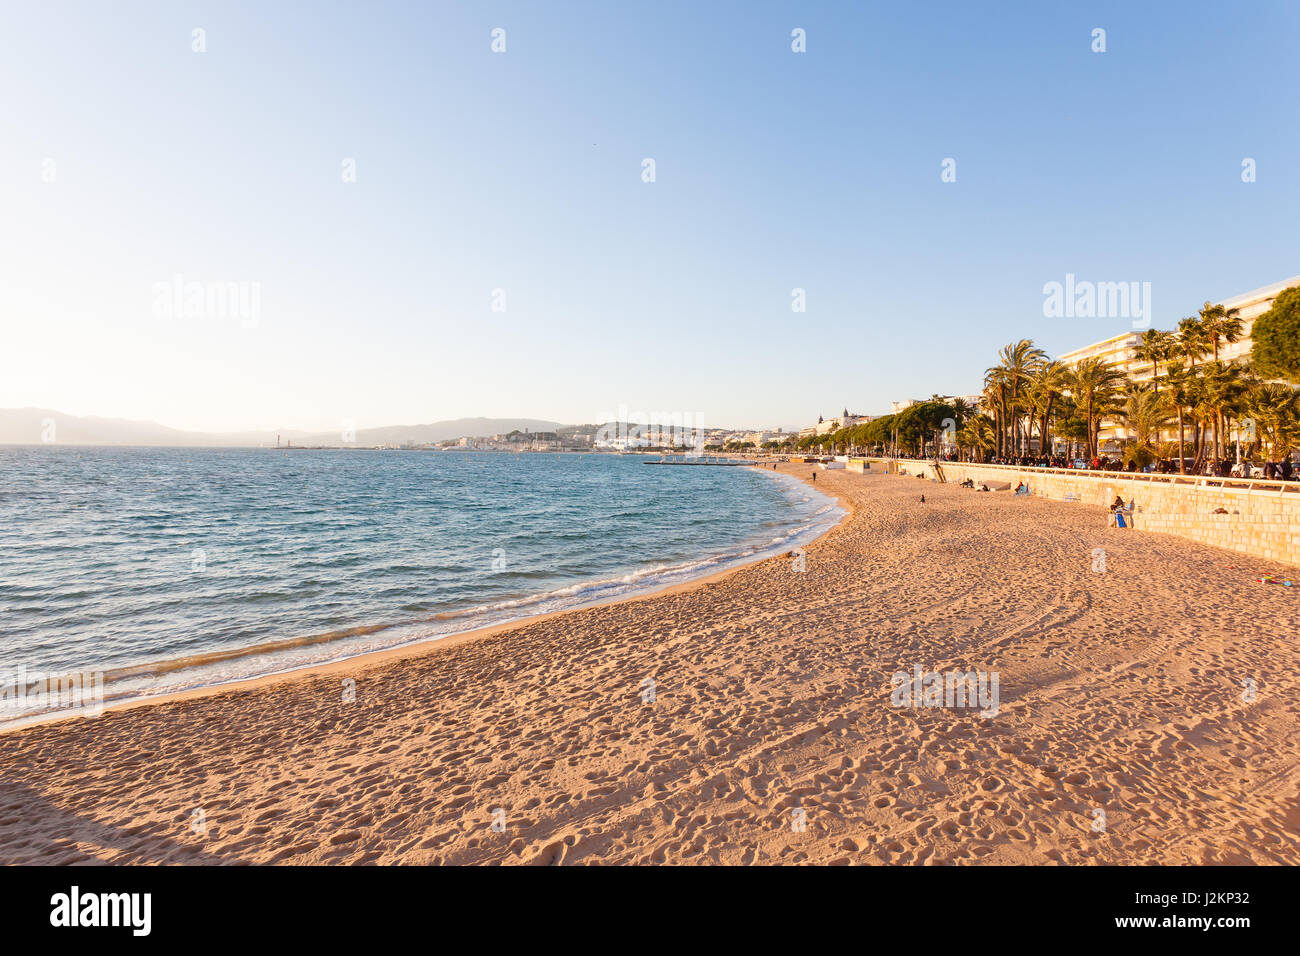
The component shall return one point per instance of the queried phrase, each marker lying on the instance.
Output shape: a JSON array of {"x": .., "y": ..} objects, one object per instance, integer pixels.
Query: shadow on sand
[{"x": 35, "y": 831}]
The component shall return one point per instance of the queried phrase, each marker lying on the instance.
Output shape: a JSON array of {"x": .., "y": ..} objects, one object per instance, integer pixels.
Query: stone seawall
[{"x": 1262, "y": 520}]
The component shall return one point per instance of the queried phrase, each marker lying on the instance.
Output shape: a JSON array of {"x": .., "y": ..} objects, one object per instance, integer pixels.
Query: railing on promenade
[{"x": 1261, "y": 485}]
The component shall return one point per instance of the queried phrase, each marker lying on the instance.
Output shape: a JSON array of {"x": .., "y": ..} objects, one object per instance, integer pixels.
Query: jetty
[{"x": 699, "y": 460}]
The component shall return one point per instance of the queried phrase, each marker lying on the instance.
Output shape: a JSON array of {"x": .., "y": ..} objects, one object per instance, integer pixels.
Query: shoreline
[{"x": 365, "y": 660}]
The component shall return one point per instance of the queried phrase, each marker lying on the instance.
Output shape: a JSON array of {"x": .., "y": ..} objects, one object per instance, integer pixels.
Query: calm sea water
[{"x": 173, "y": 568}]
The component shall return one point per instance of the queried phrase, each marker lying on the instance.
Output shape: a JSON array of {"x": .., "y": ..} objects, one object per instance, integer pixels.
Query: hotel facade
[{"x": 1120, "y": 349}]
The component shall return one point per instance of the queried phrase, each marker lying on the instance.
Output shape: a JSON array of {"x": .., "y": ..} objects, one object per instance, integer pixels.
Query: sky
[{"x": 500, "y": 252}]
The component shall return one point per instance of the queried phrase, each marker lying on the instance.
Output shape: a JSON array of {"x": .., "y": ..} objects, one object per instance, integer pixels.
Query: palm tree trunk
[
  {"x": 1092, "y": 435},
  {"x": 1044, "y": 431},
  {"x": 1182, "y": 467}
]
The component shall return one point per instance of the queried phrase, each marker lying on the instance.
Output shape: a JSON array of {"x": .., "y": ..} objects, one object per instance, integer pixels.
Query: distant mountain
[
  {"x": 32, "y": 426},
  {"x": 434, "y": 431}
]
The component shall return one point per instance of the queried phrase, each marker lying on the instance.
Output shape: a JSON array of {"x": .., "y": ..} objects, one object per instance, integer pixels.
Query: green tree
[
  {"x": 1074, "y": 430},
  {"x": 1275, "y": 348},
  {"x": 923, "y": 422}
]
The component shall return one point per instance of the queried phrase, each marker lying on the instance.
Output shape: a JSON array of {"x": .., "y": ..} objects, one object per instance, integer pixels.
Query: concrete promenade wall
[{"x": 1262, "y": 519}]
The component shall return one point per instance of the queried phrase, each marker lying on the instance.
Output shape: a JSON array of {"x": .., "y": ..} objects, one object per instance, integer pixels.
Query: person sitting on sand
[
  {"x": 1019, "y": 485},
  {"x": 1117, "y": 504}
]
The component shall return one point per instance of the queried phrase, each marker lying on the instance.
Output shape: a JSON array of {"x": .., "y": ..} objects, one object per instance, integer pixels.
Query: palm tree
[
  {"x": 1095, "y": 385},
  {"x": 1046, "y": 387},
  {"x": 1018, "y": 362},
  {"x": 1147, "y": 414},
  {"x": 1236, "y": 409},
  {"x": 1274, "y": 408},
  {"x": 1223, "y": 385},
  {"x": 1206, "y": 398},
  {"x": 1220, "y": 323},
  {"x": 1178, "y": 381},
  {"x": 977, "y": 434},
  {"x": 1193, "y": 341},
  {"x": 961, "y": 409},
  {"x": 1156, "y": 347},
  {"x": 995, "y": 397}
]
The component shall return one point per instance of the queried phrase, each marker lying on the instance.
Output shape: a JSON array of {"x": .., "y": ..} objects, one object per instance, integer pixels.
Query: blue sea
[{"x": 168, "y": 569}]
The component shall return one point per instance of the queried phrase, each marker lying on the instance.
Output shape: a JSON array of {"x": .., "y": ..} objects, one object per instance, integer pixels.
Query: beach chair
[
  {"x": 1024, "y": 490},
  {"x": 1122, "y": 518},
  {"x": 1071, "y": 497}
]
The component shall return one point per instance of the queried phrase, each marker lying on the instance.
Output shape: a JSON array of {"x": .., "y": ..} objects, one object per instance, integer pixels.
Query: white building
[
  {"x": 829, "y": 426},
  {"x": 1119, "y": 349},
  {"x": 1250, "y": 306}
]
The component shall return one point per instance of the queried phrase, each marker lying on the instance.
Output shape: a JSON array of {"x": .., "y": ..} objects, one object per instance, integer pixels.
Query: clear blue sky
[{"x": 522, "y": 171}]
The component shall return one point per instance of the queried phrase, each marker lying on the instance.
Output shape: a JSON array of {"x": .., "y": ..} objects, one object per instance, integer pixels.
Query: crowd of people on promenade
[{"x": 1284, "y": 470}]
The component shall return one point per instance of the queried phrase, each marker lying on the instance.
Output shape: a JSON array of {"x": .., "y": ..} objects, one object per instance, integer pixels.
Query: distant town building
[{"x": 843, "y": 420}]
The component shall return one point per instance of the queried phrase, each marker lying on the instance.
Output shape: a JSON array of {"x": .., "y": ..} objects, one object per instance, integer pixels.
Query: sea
[{"x": 167, "y": 569}]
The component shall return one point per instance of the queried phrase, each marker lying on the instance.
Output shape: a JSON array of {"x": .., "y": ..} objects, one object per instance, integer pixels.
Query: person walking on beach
[{"x": 814, "y": 476}]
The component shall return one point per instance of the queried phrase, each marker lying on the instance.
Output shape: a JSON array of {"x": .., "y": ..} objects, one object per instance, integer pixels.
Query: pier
[{"x": 686, "y": 460}]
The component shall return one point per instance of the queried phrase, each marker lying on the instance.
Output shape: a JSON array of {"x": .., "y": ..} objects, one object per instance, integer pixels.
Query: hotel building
[{"x": 1119, "y": 349}]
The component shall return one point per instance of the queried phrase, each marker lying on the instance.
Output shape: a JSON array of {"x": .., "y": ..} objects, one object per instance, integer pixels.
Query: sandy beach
[{"x": 1126, "y": 731}]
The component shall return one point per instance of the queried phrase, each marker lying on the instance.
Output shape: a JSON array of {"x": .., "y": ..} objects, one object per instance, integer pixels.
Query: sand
[{"x": 771, "y": 737}]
